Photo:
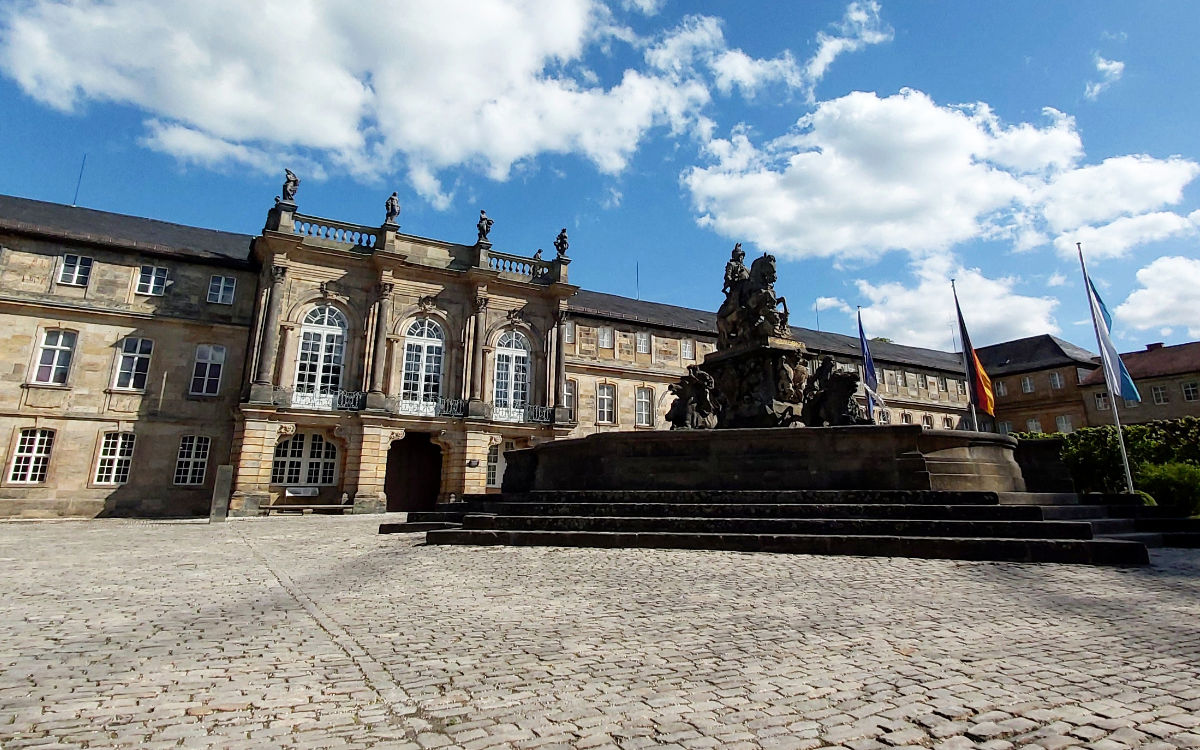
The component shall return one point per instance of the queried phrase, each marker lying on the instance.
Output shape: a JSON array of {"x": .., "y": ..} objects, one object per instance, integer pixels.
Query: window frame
[
  {"x": 570, "y": 397},
  {"x": 1001, "y": 388},
  {"x": 424, "y": 361},
  {"x": 687, "y": 349},
  {"x": 320, "y": 366},
  {"x": 114, "y": 461},
  {"x": 512, "y": 370},
  {"x": 601, "y": 390},
  {"x": 298, "y": 458},
  {"x": 1103, "y": 400},
  {"x": 206, "y": 378},
  {"x": 194, "y": 463},
  {"x": 1033, "y": 425},
  {"x": 38, "y": 450},
  {"x": 1194, "y": 386},
  {"x": 568, "y": 332},
  {"x": 152, "y": 280},
  {"x": 642, "y": 342},
  {"x": 220, "y": 300},
  {"x": 134, "y": 357},
  {"x": 604, "y": 337},
  {"x": 638, "y": 393},
  {"x": 1057, "y": 381},
  {"x": 1064, "y": 421},
  {"x": 1027, "y": 385},
  {"x": 78, "y": 266},
  {"x": 1004, "y": 427},
  {"x": 57, "y": 364},
  {"x": 1160, "y": 394}
]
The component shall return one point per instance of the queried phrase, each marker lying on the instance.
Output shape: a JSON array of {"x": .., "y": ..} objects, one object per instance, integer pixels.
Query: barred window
[
  {"x": 152, "y": 280},
  {"x": 643, "y": 407},
  {"x": 32, "y": 457},
  {"x": 192, "y": 460},
  {"x": 54, "y": 359},
  {"x": 220, "y": 289},
  {"x": 316, "y": 465},
  {"x": 116, "y": 454},
  {"x": 75, "y": 271},
  {"x": 135, "y": 363},
  {"x": 206, "y": 370}
]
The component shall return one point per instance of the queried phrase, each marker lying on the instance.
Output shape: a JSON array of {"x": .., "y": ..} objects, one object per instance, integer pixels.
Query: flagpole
[
  {"x": 1112, "y": 397},
  {"x": 966, "y": 368}
]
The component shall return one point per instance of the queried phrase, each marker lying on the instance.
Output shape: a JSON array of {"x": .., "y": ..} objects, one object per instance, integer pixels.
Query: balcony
[
  {"x": 440, "y": 407},
  {"x": 321, "y": 399},
  {"x": 336, "y": 399},
  {"x": 529, "y": 413}
]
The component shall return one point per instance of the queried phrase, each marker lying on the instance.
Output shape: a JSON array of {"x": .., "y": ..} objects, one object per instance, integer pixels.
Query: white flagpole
[
  {"x": 966, "y": 365},
  {"x": 1112, "y": 397}
]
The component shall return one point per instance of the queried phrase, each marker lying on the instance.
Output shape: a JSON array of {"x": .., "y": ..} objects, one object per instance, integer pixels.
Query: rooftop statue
[
  {"x": 560, "y": 243},
  {"x": 392, "y": 209},
  {"x": 484, "y": 226},
  {"x": 291, "y": 183},
  {"x": 750, "y": 311}
]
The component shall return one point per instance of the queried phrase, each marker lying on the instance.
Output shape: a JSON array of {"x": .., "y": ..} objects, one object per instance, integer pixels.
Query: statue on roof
[
  {"x": 561, "y": 244},
  {"x": 291, "y": 183},
  {"x": 484, "y": 226},
  {"x": 392, "y": 209}
]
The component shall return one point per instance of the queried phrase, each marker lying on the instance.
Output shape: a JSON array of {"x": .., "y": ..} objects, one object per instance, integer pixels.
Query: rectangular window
[
  {"x": 75, "y": 271},
  {"x": 687, "y": 349},
  {"x": 116, "y": 453},
  {"x": 135, "y": 363},
  {"x": 1033, "y": 425},
  {"x": 961, "y": 387},
  {"x": 192, "y": 460},
  {"x": 569, "y": 390},
  {"x": 643, "y": 342},
  {"x": 1131, "y": 404},
  {"x": 605, "y": 399},
  {"x": 569, "y": 331},
  {"x": 943, "y": 385},
  {"x": 220, "y": 289},
  {"x": 54, "y": 359},
  {"x": 889, "y": 379},
  {"x": 910, "y": 380},
  {"x": 1159, "y": 393},
  {"x": 493, "y": 466},
  {"x": 1063, "y": 423},
  {"x": 1191, "y": 391},
  {"x": 1001, "y": 388},
  {"x": 152, "y": 280},
  {"x": 1026, "y": 384},
  {"x": 605, "y": 338},
  {"x": 288, "y": 460},
  {"x": 643, "y": 407},
  {"x": 882, "y": 416},
  {"x": 1102, "y": 402},
  {"x": 32, "y": 457},
  {"x": 1056, "y": 380},
  {"x": 206, "y": 370},
  {"x": 1004, "y": 427}
]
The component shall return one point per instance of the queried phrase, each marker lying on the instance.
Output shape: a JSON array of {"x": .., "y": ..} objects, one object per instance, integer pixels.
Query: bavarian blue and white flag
[
  {"x": 870, "y": 381},
  {"x": 1115, "y": 374}
]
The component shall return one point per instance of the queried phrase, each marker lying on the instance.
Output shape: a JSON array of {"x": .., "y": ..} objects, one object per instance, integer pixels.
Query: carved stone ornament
[
  {"x": 395, "y": 435},
  {"x": 291, "y": 183},
  {"x": 481, "y": 303},
  {"x": 326, "y": 288},
  {"x": 278, "y": 274},
  {"x": 285, "y": 429},
  {"x": 384, "y": 289},
  {"x": 516, "y": 316},
  {"x": 695, "y": 405},
  {"x": 427, "y": 303},
  {"x": 829, "y": 397}
]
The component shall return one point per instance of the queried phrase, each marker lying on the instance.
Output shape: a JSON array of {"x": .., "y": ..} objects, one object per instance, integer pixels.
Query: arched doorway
[{"x": 414, "y": 473}]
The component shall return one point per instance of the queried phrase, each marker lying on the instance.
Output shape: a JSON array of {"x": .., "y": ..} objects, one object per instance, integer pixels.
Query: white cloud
[
  {"x": 1169, "y": 296},
  {"x": 860, "y": 26},
  {"x": 612, "y": 198},
  {"x": 646, "y": 7},
  {"x": 1110, "y": 72},
  {"x": 831, "y": 303},
  {"x": 923, "y": 314},
  {"x": 1118, "y": 186},
  {"x": 1116, "y": 238},
  {"x": 1057, "y": 279}
]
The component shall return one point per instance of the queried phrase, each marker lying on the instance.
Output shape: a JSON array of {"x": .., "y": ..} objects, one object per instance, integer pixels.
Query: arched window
[
  {"x": 422, "y": 383},
  {"x": 511, "y": 384},
  {"x": 293, "y": 464},
  {"x": 321, "y": 357}
]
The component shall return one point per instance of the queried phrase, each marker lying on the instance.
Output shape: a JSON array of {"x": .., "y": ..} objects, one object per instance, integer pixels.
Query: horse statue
[
  {"x": 750, "y": 310},
  {"x": 829, "y": 398},
  {"x": 695, "y": 405}
]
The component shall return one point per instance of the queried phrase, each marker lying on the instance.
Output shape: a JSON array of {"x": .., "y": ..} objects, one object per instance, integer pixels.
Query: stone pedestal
[
  {"x": 760, "y": 384},
  {"x": 369, "y": 502}
]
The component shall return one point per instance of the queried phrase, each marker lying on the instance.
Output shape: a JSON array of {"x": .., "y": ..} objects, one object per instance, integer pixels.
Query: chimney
[{"x": 1155, "y": 345}]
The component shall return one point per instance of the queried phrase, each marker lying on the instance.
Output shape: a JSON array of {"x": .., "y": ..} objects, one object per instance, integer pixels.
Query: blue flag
[
  {"x": 1115, "y": 374},
  {"x": 869, "y": 378}
]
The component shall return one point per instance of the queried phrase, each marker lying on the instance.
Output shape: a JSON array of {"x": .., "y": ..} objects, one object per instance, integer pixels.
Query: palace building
[{"x": 328, "y": 363}]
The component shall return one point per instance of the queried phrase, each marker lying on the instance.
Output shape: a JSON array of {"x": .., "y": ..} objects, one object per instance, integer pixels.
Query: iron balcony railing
[
  {"x": 440, "y": 407},
  {"x": 336, "y": 399}
]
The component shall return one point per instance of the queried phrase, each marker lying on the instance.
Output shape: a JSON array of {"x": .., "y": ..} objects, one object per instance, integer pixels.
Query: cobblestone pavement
[{"x": 316, "y": 632}]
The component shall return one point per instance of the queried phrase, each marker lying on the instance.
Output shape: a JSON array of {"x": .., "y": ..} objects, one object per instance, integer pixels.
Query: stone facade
[
  {"x": 1036, "y": 381},
  {"x": 1167, "y": 378}
]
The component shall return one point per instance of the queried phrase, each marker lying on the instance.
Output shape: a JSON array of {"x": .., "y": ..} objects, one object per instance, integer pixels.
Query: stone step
[
  {"x": 431, "y": 516},
  {"x": 776, "y": 526},
  {"x": 756, "y": 497},
  {"x": 411, "y": 527},
  {"x": 1090, "y": 551},
  {"x": 772, "y": 510},
  {"x": 1038, "y": 498}
]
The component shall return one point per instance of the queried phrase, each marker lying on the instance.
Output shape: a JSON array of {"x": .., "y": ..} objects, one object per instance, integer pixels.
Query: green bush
[{"x": 1175, "y": 485}]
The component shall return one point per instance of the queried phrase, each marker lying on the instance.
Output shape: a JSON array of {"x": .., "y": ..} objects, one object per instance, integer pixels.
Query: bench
[{"x": 304, "y": 508}]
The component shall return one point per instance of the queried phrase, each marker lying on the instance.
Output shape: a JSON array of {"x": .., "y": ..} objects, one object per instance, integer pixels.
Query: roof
[
  {"x": 1032, "y": 353},
  {"x": 1155, "y": 361},
  {"x": 614, "y": 307},
  {"x": 88, "y": 225}
]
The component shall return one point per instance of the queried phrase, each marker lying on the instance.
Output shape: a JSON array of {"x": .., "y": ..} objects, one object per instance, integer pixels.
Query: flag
[
  {"x": 979, "y": 385},
  {"x": 1115, "y": 374},
  {"x": 870, "y": 381}
]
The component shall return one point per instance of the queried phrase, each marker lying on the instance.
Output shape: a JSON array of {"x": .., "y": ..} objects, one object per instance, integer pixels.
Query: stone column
[
  {"x": 260, "y": 391},
  {"x": 475, "y": 404},
  {"x": 375, "y": 398}
]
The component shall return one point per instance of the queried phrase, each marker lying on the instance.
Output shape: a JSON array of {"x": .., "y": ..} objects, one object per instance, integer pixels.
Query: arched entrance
[{"x": 414, "y": 473}]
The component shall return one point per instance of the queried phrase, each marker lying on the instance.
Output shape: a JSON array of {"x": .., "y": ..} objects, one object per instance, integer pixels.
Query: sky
[{"x": 877, "y": 149}]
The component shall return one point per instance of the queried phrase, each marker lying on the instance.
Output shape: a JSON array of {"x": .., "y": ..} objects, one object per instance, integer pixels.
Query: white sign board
[{"x": 300, "y": 492}]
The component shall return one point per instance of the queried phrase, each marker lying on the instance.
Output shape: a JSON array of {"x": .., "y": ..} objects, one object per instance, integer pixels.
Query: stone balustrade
[
  {"x": 335, "y": 231},
  {"x": 528, "y": 268}
]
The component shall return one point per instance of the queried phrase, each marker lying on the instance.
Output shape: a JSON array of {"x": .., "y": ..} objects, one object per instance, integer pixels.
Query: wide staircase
[{"x": 1001, "y": 526}]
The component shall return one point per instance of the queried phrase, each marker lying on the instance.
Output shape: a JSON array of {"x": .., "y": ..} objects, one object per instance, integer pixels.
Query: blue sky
[{"x": 877, "y": 149}]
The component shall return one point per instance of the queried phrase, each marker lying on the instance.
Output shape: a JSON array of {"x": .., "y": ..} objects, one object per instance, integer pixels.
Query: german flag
[{"x": 978, "y": 382}]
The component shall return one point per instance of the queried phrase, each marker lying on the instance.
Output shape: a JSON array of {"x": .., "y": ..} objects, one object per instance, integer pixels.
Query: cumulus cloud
[
  {"x": 1114, "y": 239},
  {"x": 1110, "y": 72},
  {"x": 1169, "y": 296},
  {"x": 864, "y": 174},
  {"x": 922, "y": 314},
  {"x": 861, "y": 25},
  {"x": 831, "y": 303},
  {"x": 1057, "y": 279}
]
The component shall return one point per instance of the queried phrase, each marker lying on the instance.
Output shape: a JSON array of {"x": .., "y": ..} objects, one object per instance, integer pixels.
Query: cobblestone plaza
[{"x": 317, "y": 632}]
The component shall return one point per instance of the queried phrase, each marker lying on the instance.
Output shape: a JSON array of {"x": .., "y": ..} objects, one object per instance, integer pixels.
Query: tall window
[
  {"x": 687, "y": 349},
  {"x": 1063, "y": 423},
  {"x": 152, "y": 280},
  {"x": 605, "y": 401},
  {"x": 54, "y": 359},
  {"x": 1102, "y": 402},
  {"x": 510, "y": 390},
  {"x": 192, "y": 459},
  {"x": 643, "y": 342},
  {"x": 1033, "y": 425},
  {"x": 906, "y": 418},
  {"x": 496, "y": 463},
  {"x": 961, "y": 387},
  {"x": 1056, "y": 380},
  {"x": 883, "y": 416},
  {"x": 927, "y": 422},
  {"x": 304, "y": 457},
  {"x": 134, "y": 366},
  {"x": 1004, "y": 427},
  {"x": 948, "y": 423},
  {"x": 1159, "y": 393},
  {"x": 943, "y": 385},
  {"x": 220, "y": 289},
  {"x": 569, "y": 331},
  {"x": 604, "y": 338},
  {"x": 643, "y": 407},
  {"x": 32, "y": 457},
  {"x": 1026, "y": 384},
  {"x": 910, "y": 380},
  {"x": 1001, "y": 388},
  {"x": 116, "y": 453},
  {"x": 570, "y": 388},
  {"x": 322, "y": 352},
  {"x": 1191, "y": 391},
  {"x": 75, "y": 271},
  {"x": 422, "y": 362},
  {"x": 206, "y": 370}
]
